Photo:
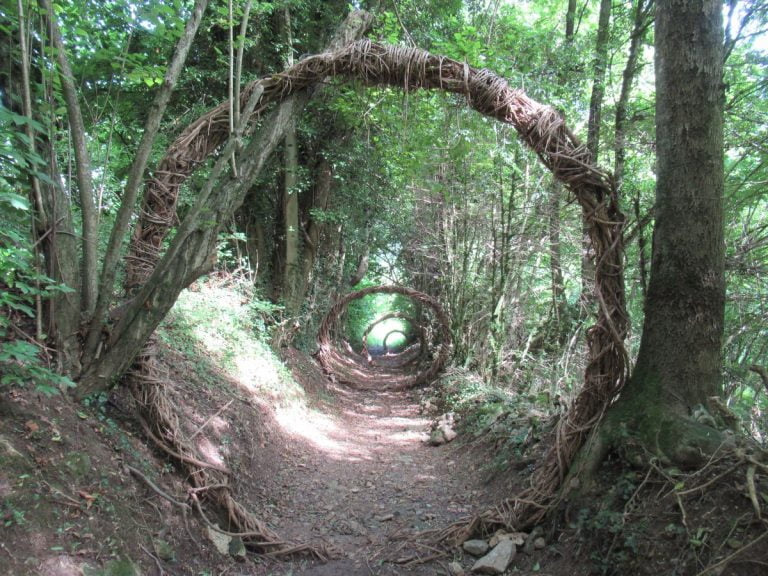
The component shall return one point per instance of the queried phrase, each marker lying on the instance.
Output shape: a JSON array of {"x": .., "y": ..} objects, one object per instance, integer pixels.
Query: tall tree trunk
[
  {"x": 193, "y": 249},
  {"x": 555, "y": 259},
  {"x": 570, "y": 20},
  {"x": 314, "y": 229},
  {"x": 143, "y": 254},
  {"x": 641, "y": 22},
  {"x": 55, "y": 231},
  {"x": 593, "y": 139},
  {"x": 555, "y": 265},
  {"x": 679, "y": 362},
  {"x": 291, "y": 222}
]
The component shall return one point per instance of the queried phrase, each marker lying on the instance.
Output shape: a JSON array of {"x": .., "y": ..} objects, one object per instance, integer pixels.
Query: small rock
[
  {"x": 385, "y": 517},
  {"x": 539, "y": 543},
  {"x": 456, "y": 569},
  {"x": 475, "y": 547},
  {"x": 437, "y": 438},
  {"x": 220, "y": 541},
  {"x": 237, "y": 548},
  {"x": 497, "y": 560},
  {"x": 517, "y": 538},
  {"x": 529, "y": 546},
  {"x": 448, "y": 432},
  {"x": 442, "y": 429},
  {"x": 497, "y": 537}
]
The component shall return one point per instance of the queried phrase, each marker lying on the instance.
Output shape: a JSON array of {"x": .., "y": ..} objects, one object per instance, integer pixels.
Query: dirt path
[{"x": 361, "y": 477}]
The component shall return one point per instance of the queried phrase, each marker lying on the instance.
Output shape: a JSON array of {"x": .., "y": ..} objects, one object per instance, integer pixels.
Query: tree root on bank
[
  {"x": 210, "y": 485},
  {"x": 729, "y": 477}
]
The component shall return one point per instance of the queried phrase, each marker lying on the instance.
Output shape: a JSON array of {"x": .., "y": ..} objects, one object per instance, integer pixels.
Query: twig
[
  {"x": 75, "y": 501},
  {"x": 2, "y": 545},
  {"x": 155, "y": 558},
  {"x": 751, "y": 469},
  {"x": 183, "y": 458},
  {"x": 252, "y": 534},
  {"x": 218, "y": 412},
  {"x": 707, "y": 483},
  {"x": 727, "y": 559},
  {"x": 684, "y": 518},
  {"x": 158, "y": 491}
]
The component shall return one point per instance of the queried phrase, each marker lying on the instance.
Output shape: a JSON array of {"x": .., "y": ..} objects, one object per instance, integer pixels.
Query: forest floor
[{"x": 349, "y": 472}]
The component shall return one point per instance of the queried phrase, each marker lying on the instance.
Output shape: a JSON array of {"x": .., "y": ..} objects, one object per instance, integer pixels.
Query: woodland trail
[{"x": 361, "y": 477}]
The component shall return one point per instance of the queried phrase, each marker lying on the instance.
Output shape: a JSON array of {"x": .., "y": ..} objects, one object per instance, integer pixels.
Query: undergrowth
[{"x": 226, "y": 325}]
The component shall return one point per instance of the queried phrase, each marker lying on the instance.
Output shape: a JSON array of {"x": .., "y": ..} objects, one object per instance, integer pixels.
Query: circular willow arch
[
  {"x": 541, "y": 128},
  {"x": 390, "y": 333},
  {"x": 356, "y": 371}
]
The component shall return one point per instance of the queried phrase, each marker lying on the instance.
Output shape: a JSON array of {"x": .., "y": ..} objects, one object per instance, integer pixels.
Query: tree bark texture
[
  {"x": 89, "y": 261},
  {"x": 679, "y": 362},
  {"x": 290, "y": 260},
  {"x": 190, "y": 255},
  {"x": 686, "y": 296},
  {"x": 135, "y": 177}
]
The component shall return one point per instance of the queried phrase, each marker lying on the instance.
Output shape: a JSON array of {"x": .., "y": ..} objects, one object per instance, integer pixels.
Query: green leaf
[{"x": 16, "y": 201}]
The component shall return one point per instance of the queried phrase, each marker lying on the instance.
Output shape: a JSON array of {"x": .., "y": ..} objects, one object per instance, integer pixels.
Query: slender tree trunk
[
  {"x": 141, "y": 263},
  {"x": 89, "y": 262},
  {"x": 191, "y": 254},
  {"x": 570, "y": 20},
  {"x": 555, "y": 260},
  {"x": 555, "y": 265},
  {"x": 593, "y": 139},
  {"x": 641, "y": 21},
  {"x": 193, "y": 249},
  {"x": 291, "y": 264},
  {"x": 314, "y": 229},
  {"x": 55, "y": 228}
]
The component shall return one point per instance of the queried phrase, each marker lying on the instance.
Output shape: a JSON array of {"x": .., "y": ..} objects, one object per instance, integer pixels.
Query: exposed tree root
[{"x": 210, "y": 482}]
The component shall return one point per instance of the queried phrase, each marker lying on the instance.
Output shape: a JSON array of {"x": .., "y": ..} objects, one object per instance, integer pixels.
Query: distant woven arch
[{"x": 353, "y": 370}]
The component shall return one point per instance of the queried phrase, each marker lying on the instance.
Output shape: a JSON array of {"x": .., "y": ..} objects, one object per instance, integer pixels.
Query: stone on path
[
  {"x": 497, "y": 560},
  {"x": 475, "y": 547}
]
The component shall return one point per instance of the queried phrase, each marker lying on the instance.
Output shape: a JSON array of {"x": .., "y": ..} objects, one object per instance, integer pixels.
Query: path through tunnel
[{"x": 366, "y": 342}]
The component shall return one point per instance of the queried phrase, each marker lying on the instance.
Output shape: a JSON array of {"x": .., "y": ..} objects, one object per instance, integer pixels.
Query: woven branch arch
[
  {"x": 389, "y": 334},
  {"x": 416, "y": 326},
  {"x": 357, "y": 371},
  {"x": 542, "y": 129}
]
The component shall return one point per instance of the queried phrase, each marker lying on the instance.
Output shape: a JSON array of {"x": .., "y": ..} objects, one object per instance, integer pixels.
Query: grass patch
[{"x": 221, "y": 328}]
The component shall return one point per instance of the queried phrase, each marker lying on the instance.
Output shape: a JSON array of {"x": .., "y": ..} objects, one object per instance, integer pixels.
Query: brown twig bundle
[{"x": 209, "y": 482}]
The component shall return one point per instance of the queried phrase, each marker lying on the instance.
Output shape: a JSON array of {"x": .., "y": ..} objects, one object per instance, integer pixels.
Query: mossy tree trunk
[{"x": 679, "y": 362}]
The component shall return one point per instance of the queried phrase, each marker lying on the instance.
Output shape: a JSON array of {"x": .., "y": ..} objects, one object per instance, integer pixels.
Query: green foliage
[
  {"x": 20, "y": 281},
  {"x": 22, "y": 364}
]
